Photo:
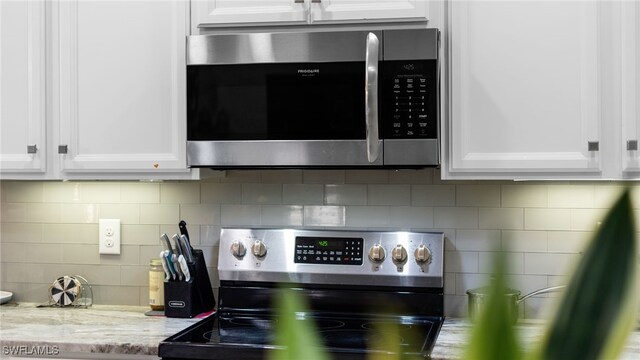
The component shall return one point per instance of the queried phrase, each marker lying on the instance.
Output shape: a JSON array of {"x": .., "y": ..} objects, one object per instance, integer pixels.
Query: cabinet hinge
[
  {"x": 62, "y": 149},
  {"x": 593, "y": 145},
  {"x": 32, "y": 149},
  {"x": 632, "y": 145}
]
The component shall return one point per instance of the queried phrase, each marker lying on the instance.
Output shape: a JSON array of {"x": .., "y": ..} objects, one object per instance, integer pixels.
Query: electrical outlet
[{"x": 109, "y": 236}]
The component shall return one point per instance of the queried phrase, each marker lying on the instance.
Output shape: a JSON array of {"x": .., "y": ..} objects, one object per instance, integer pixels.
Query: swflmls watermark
[{"x": 30, "y": 350}]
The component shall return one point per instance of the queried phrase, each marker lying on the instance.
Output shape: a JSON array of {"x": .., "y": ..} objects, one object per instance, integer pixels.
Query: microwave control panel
[{"x": 410, "y": 109}]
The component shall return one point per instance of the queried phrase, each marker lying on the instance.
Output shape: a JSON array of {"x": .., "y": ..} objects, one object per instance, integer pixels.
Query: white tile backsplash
[
  {"x": 282, "y": 215},
  {"x": 477, "y": 240},
  {"x": 159, "y": 213},
  {"x": 181, "y": 193},
  {"x": 127, "y": 213},
  {"x": 497, "y": 218},
  {"x": 478, "y": 195},
  {"x": 547, "y": 219},
  {"x": 262, "y": 194},
  {"x": 345, "y": 194},
  {"x": 324, "y": 215},
  {"x": 79, "y": 214},
  {"x": 392, "y": 195},
  {"x": 433, "y": 195},
  {"x": 303, "y": 194},
  {"x": 219, "y": 193},
  {"x": 140, "y": 193},
  {"x": 51, "y": 227},
  {"x": 571, "y": 196}
]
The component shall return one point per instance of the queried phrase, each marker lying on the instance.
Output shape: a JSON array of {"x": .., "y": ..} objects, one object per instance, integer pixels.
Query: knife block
[{"x": 186, "y": 299}]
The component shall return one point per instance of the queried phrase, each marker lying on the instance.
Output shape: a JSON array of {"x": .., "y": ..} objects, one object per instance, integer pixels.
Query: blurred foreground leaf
[
  {"x": 493, "y": 337},
  {"x": 597, "y": 312},
  {"x": 299, "y": 338}
]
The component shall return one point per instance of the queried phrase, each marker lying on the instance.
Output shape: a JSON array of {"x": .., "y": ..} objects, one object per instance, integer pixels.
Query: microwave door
[
  {"x": 300, "y": 114},
  {"x": 289, "y": 114}
]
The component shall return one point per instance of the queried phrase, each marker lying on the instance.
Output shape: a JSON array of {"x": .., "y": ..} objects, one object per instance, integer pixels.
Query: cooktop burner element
[{"x": 349, "y": 279}]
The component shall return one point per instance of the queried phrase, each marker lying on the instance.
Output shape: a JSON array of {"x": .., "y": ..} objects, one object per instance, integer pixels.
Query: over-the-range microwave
[{"x": 313, "y": 99}]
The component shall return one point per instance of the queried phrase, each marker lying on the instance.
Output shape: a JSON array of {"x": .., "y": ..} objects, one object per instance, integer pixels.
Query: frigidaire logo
[
  {"x": 409, "y": 67},
  {"x": 308, "y": 71},
  {"x": 178, "y": 304}
]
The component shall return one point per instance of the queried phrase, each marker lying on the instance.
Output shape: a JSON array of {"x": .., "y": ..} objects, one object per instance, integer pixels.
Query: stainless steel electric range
[{"x": 354, "y": 281}]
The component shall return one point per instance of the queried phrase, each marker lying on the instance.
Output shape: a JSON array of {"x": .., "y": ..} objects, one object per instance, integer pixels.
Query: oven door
[{"x": 248, "y": 107}]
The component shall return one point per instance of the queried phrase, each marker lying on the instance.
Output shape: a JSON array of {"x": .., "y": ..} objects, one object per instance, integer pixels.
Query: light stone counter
[
  {"x": 26, "y": 330},
  {"x": 117, "y": 332},
  {"x": 455, "y": 335}
]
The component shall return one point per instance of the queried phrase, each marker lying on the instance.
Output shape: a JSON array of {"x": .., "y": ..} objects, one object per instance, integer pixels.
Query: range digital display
[{"x": 325, "y": 250}]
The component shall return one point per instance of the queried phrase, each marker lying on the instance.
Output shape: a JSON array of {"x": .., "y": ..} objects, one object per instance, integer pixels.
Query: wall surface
[{"x": 50, "y": 229}]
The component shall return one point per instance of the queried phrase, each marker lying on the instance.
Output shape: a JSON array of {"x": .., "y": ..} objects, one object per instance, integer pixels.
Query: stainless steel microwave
[{"x": 313, "y": 99}]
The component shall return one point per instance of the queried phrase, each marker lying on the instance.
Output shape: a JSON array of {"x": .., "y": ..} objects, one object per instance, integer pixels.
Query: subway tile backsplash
[{"x": 50, "y": 229}]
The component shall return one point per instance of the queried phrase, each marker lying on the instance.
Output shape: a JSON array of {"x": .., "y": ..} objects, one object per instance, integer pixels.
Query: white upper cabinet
[
  {"x": 373, "y": 10},
  {"x": 107, "y": 78},
  {"x": 247, "y": 12},
  {"x": 121, "y": 86},
  {"x": 23, "y": 147},
  {"x": 221, "y": 13},
  {"x": 524, "y": 89},
  {"x": 630, "y": 144}
]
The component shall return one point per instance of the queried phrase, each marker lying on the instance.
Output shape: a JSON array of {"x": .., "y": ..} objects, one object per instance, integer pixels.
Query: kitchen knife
[
  {"x": 168, "y": 257},
  {"x": 176, "y": 266},
  {"x": 165, "y": 266},
  {"x": 186, "y": 248},
  {"x": 183, "y": 231},
  {"x": 184, "y": 268},
  {"x": 178, "y": 247},
  {"x": 166, "y": 242}
]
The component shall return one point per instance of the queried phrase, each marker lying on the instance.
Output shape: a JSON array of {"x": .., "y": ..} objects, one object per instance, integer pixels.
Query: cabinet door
[
  {"x": 247, "y": 12},
  {"x": 358, "y": 10},
  {"x": 121, "y": 85},
  {"x": 630, "y": 26},
  {"x": 22, "y": 87},
  {"x": 524, "y": 98}
]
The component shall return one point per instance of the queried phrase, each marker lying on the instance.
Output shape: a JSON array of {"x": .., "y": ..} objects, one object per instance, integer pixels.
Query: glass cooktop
[{"x": 249, "y": 337}]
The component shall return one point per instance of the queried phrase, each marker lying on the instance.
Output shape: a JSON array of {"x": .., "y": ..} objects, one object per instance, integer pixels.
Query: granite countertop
[
  {"x": 108, "y": 329},
  {"x": 97, "y": 329},
  {"x": 455, "y": 333}
]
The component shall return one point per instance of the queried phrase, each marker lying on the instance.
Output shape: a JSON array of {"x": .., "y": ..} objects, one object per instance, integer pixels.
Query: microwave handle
[{"x": 371, "y": 97}]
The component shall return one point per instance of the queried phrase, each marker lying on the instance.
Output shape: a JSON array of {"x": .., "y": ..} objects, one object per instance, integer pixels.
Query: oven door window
[{"x": 319, "y": 101}]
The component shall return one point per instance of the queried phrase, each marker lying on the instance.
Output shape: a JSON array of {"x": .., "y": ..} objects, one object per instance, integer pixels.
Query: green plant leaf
[
  {"x": 596, "y": 312},
  {"x": 493, "y": 336},
  {"x": 298, "y": 337}
]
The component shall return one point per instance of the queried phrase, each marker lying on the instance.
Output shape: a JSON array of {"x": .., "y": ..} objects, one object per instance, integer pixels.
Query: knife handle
[
  {"x": 182, "y": 225},
  {"x": 165, "y": 266},
  {"x": 184, "y": 268},
  {"x": 187, "y": 250},
  {"x": 165, "y": 242},
  {"x": 176, "y": 266},
  {"x": 178, "y": 248},
  {"x": 169, "y": 257}
]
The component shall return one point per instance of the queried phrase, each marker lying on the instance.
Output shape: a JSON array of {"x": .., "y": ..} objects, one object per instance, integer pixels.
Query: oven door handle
[{"x": 371, "y": 97}]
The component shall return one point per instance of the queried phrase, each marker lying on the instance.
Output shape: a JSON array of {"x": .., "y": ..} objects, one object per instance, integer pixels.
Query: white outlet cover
[{"x": 109, "y": 236}]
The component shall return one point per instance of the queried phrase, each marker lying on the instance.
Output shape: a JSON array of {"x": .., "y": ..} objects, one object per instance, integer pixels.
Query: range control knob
[
  {"x": 237, "y": 249},
  {"x": 259, "y": 249},
  {"x": 422, "y": 254},
  {"x": 376, "y": 253},
  {"x": 399, "y": 254}
]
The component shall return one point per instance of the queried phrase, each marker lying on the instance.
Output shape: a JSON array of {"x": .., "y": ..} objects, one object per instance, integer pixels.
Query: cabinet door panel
[
  {"x": 524, "y": 87},
  {"x": 22, "y": 86},
  {"x": 247, "y": 12},
  {"x": 357, "y": 10},
  {"x": 122, "y": 85},
  {"x": 630, "y": 86}
]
